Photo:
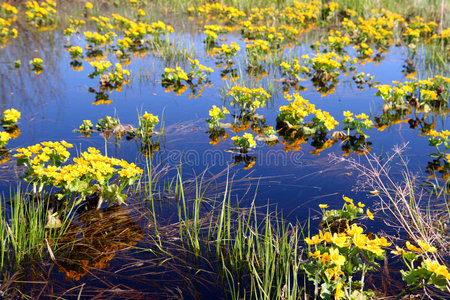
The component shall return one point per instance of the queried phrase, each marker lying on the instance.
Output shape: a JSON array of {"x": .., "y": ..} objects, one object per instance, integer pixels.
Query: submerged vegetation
[{"x": 71, "y": 211}]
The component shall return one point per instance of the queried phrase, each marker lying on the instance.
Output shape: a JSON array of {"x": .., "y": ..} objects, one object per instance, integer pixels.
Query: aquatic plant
[
  {"x": 43, "y": 15},
  {"x": 75, "y": 52},
  {"x": 36, "y": 64},
  {"x": 212, "y": 32},
  {"x": 6, "y": 32},
  {"x": 257, "y": 51},
  {"x": 216, "y": 114},
  {"x": 10, "y": 117},
  {"x": 425, "y": 94},
  {"x": 147, "y": 125},
  {"x": 244, "y": 142},
  {"x": 247, "y": 98},
  {"x": 340, "y": 252},
  {"x": 293, "y": 70},
  {"x": 436, "y": 139},
  {"x": 359, "y": 123},
  {"x": 421, "y": 270},
  {"x": 293, "y": 116},
  {"x": 110, "y": 76},
  {"x": 74, "y": 27},
  {"x": 226, "y": 52},
  {"x": 90, "y": 174},
  {"x": 86, "y": 128},
  {"x": 106, "y": 123}
]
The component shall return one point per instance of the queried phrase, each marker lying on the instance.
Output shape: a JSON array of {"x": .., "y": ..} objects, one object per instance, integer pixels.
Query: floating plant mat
[{"x": 191, "y": 149}]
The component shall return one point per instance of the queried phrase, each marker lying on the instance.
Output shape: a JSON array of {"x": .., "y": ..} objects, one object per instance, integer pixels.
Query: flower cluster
[
  {"x": 102, "y": 23},
  {"x": 226, "y": 52},
  {"x": 302, "y": 13},
  {"x": 117, "y": 76},
  {"x": 141, "y": 34},
  {"x": 147, "y": 125},
  {"x": 173, "y": 79},
  {"x": 8, "y": 11},
  {"x": 269, "y": 34},
  {"x": 198, "y": 70},
  {"x": 41, "y": 16},
  {"x": 377, "y": 29},
  {"x": 219, "y": 11},
  {"x": 363, "y": 50},
  {"x": 4, "y": 139},
  {"x": 257, "y": 50},
  {"x": 336, "y": 41},
  {"x": 417, "y": 30},
  {"x": 8, "y": 122},
  {"x": 212, "y": 32},
  {"x": 174, "y": 76},
  {"x": 327, "y": 64},
  {"x": 86, "y": 128}
]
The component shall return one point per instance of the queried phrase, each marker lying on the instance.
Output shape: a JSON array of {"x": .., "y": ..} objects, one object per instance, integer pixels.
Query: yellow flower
[
  {"x": 369, "y": 214},
  {"x": 325, "y": 236},
  {"x": 11, "y": 115},
  {"x": 382, "y": 242},
  {"x": 347, "y": 199},
  {"x": 88, "y": 5},
  {"x": 435, "y": 267},
  {"x": 325, "y": 258},
  {"x": 66, "y": 144},
  {"x": 354, "y": 229},
  {"x": 339, "y": 293},
  {"x": 151, "y": 118},
  {"x": 250, "y": 140},
  {"x": 348, "y": 114},
  {"x": 37, "y": 61},
  {"x": 323, "y": 206},
  {"x": 426, "y": 247},
  {"x": 313, "y": 240},
  {"x": 225, "y": 110},
  {"x": 340, "y": 241},
  {"x": 315, "y": 254},
  {"x": 359, "y": 239},
  {"x": 214, "y": 112},
  {"x": 399, "y": 251},
  {"x": 361, "y": 204},
  {"x": 333, "y": 273},
  {"x": 336, "y": 257},
  {"x": 362, "y": 116},
  {"x": 4, "y": 137},
  {"x": 411, "y": 247}
]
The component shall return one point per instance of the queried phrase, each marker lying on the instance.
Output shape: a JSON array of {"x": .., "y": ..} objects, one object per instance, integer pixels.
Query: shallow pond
[{"x": 290, "y": 172}]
